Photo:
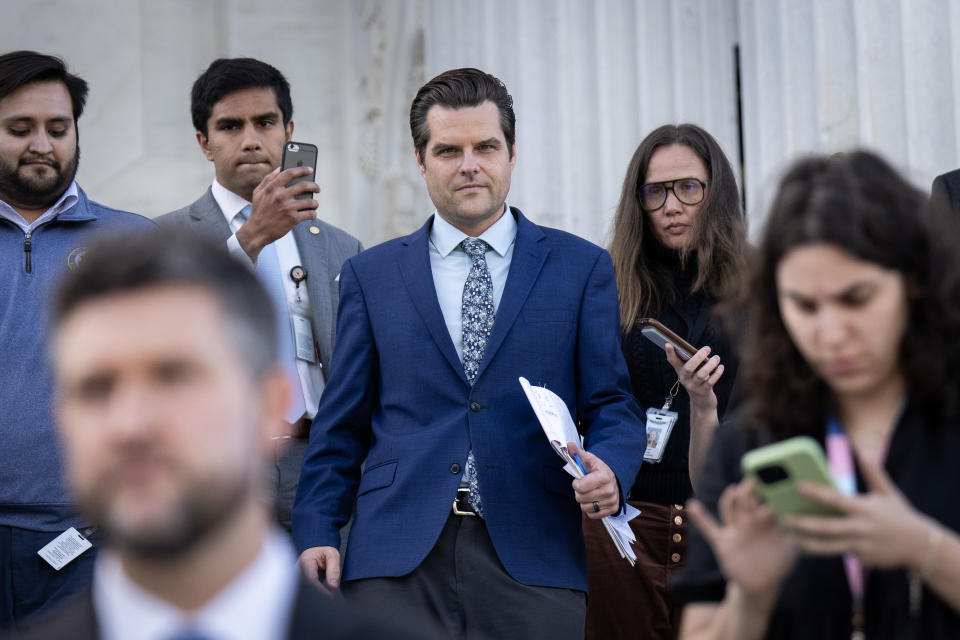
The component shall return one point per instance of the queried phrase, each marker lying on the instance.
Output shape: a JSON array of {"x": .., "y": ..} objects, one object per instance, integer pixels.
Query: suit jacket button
[
  {"x": 474, "y": 406},
  {"x": 455, "y": 468}
]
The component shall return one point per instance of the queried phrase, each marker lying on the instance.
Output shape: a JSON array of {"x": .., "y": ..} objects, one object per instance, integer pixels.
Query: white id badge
[
  {"x": 303, "y": 337},
  {"x": 63, "y": 549},
  {"x": 659, "y": 425}
]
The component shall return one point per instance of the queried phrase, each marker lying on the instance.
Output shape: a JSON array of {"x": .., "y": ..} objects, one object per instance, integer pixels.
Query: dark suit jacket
[
  {"x": 312, "y": 615},
  {"x": 322, "y": 255},
  {"x": 399, "y": 398},
  {"x": 946, "y": 190}
]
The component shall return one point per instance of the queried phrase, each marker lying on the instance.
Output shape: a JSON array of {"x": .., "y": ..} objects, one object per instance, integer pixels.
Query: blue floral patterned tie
[{"x": 476, "y": 314}]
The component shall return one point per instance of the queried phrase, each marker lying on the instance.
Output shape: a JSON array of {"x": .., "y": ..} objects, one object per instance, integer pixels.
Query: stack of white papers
[{"x": 559, "y": 428}]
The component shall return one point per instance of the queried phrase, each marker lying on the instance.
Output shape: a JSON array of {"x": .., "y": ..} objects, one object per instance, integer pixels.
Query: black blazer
[
  {"x": 946, "y": 190},
  {"x": 313, "y": 615}
]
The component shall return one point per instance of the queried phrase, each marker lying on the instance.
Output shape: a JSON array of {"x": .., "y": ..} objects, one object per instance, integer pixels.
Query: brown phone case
[{"x": 649, "y": 327}]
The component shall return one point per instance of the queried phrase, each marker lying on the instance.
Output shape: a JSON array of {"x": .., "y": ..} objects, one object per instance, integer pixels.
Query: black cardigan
[{"x": 689, "y": 315}]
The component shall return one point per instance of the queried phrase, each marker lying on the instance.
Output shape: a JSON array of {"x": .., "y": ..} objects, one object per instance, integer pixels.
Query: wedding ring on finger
[{"x": 596, "y": 507}]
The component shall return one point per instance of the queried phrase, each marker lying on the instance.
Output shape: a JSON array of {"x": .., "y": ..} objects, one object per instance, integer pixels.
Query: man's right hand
[
  {"x": 317, "y": 560},
  {"x": 275, "y": 209}
]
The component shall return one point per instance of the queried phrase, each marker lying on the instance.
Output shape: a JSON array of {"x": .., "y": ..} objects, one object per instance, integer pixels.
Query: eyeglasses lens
[
  {"x": 653, "y": 195},
  {"x": 688, "y": 191}
]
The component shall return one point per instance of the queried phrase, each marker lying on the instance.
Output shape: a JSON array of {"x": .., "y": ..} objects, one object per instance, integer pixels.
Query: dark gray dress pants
[{"x": 464, "y": 587}]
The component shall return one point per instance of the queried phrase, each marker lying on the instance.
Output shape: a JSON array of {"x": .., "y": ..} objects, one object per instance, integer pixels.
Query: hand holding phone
[
  {"x": 277, "y": 207},
  {"x": 777, "y": 468},
  {"x": 657, "y": 333},
  {"x": 300, "y": 154}
]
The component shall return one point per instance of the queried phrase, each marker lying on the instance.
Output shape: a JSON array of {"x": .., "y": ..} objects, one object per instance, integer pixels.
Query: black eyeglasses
[{"x": 653, "y": 195}]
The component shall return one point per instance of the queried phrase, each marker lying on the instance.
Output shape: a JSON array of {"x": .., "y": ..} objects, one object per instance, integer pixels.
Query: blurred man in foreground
[{"x": 168, "y": 434}]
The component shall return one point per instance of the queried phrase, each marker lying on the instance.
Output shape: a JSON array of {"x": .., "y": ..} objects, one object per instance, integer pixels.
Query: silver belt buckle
[{"x": 456, "y": 509}]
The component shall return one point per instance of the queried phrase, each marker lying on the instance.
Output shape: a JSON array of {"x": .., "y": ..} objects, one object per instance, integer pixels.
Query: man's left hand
[{"x": 597, "y": 492}]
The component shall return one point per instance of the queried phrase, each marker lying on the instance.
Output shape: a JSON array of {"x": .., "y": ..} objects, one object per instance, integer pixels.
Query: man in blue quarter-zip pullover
[{"x": 46, "y": 222}]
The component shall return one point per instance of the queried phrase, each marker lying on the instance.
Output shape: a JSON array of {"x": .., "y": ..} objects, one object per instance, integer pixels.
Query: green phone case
[{"x": 802, "y": 459}]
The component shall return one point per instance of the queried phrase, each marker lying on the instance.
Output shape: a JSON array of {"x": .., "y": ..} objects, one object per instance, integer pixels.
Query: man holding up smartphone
[{"x": 242, "y": 114}]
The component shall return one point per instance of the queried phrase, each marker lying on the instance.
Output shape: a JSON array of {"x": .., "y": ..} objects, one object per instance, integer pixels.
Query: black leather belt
[
  {"x": 299, "y": 430},
  {"x": 461, "y": 504}
]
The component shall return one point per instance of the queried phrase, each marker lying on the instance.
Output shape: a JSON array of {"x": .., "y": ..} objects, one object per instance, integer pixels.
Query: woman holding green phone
[{"x": 851, "y": 339}]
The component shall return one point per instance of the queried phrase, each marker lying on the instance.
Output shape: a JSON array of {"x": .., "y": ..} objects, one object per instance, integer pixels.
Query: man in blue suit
[{"x": 463, "y": 509}]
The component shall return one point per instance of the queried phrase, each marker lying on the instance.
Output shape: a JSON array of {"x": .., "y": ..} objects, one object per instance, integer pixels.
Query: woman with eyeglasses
[
  {"x": 851, "y": 338},
  {"x": 678, "y": 248}
]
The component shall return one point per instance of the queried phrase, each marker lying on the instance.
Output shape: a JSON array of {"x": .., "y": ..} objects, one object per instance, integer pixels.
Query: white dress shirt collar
[
  {"x": 255, "y": 605},
  {"x": 500, "y": 235},
  {"x": 230, "y": 203}
]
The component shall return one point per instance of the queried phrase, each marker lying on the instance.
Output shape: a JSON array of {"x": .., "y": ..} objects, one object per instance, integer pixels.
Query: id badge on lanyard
[{"x": 660, "y": 424}]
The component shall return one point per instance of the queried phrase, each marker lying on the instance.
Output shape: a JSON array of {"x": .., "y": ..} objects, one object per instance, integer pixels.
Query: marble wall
[
  {"x": 828, "y": 76},
  {"x": 590, "y": 79}
]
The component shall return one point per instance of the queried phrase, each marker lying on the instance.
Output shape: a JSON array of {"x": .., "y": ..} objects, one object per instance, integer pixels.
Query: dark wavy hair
[
  {"x": 455, "y": 89},
  {"x": 861, "y": 205},
  {"x": 226, "y": 75},
  {"x": 128, "y": 263},
  {"x": 720, "y": 235},
  {"x": 19, "y": 68}
]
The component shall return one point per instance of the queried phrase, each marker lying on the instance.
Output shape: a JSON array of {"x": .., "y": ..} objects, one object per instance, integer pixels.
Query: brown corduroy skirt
[{"x": 634, "y": 602}]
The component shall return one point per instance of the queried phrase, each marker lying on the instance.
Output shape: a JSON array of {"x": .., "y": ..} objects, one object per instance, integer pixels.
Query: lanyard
[
  {"x": 668, "y": 401},
  {"x": 840, "y": 459}
]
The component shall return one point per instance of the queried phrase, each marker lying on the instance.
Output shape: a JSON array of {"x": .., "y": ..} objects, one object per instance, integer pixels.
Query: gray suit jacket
[{"x": 322, "y": 255}]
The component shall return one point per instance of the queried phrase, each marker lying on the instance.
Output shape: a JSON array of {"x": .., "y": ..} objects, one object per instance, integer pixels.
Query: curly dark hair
[
  {"x": 858, "y": 203},
  {"x": 720, "y": 243}
]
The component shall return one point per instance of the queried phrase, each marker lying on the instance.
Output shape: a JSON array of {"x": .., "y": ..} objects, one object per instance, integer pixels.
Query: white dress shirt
[
  {"x": 451, "y": 265},
  {"x": 256, "y": 605},
  {"x": 311, "y": 375},
  {"x": 67, "y": 200}
]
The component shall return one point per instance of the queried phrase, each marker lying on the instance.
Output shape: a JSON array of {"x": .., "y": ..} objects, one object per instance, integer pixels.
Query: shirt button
[
  {"x": 678, "y": 521},
  {"x": 678, "y": 507},
  {"x": 675, "y": 557},
  {"x": 677, "y": 537},
  {"x": 474, "y": 406},
  {"x": 455, "y": 468}
]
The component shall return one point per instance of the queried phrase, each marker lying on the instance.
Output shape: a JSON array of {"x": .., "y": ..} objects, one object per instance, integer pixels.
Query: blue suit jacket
[{"x": 399, "y": 400}]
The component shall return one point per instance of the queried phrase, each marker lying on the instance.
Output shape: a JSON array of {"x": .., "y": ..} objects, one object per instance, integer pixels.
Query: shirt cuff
[{"x": 233, "y": 246}]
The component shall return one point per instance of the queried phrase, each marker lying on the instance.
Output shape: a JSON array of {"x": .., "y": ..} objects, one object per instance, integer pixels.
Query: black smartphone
[
  {"x": 660, "y": 335},
  {"x": 300, "y": 154}
]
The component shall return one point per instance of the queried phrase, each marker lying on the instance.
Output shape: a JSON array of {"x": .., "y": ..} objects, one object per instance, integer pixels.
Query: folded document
[{"x": 559, "y": 428}]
